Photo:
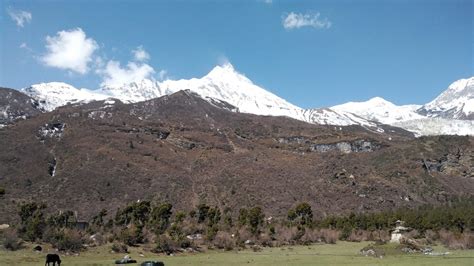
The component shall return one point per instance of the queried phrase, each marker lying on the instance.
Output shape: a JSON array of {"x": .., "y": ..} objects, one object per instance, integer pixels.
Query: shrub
[
  {"x": 359, "y": 235},
  {"x": 457, "y": 240},
  {"x": 255, "y": 219},
  {"x": 303, "y": 212},
  {"x": 68, "y": 240},
  {"x": 381, "y": 236},
  {"x": 34, "y": 228},
  {"x": 11, "y": 240},
  {"x": 311, "y": 236},
  {"x": 97, "y": 239},
  {"x": 160, "y": 217},
  {"x": 131, "y": 236},
  {"x": 137, "y": 213},
  {"x": 243, "y": 216},
  {"x": 224, "y": 240},
  {"x": 329, "y": 236},
  {"x": 164, "y": 245},
  {"x": 266, "y": 240},
  {"x": 185, "y": 243},
  {"x": 2, "y": 191},
  {"x": 32, "y": 221},
  {"x": 180, "y": 216},
  {"x": 119, "y": 248},
  {"x": 346, "y": 232},
  {"x": 286, "y": 234},
  {"x": 202, "y": 212},
  {"x": 211, "y": 232},
  {"x": 431, "y": 236}
]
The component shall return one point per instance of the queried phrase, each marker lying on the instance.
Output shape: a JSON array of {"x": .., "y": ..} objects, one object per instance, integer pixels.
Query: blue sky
[{"x": 329, "y": 52}]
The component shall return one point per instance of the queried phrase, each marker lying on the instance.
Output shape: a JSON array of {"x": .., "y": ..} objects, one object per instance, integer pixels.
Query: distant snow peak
[
  {"x": 448, "y": 114},
  {"x": 380, "y": 110},
  {"x": 55, "y": 94},
  {"x": 226, "y": 88},
  {"x": 457, "y": 102},
  {"x": 133, "y": 92}
]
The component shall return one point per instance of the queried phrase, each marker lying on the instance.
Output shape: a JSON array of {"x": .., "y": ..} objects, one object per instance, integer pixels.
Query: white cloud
[
  {"x": 140, "y": 54},
  {"x": 25, "y": 46},
  {"x": 20, "y": 17},
  {"x": 162, "y": 74},
  {"x": 267, "y": 1},
  {"x": 298, "y": 20},
  {"x": 114, "y": 74},
  {"x": 70, "y": 50}
]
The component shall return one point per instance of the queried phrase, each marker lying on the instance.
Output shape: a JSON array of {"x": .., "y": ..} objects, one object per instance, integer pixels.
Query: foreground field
[{"x": 343, "y": 253}]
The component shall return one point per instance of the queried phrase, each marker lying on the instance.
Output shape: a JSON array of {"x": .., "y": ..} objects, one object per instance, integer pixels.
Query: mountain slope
[
  {"x": 181, "y": 149},
  {"x": 457, "y": 102},
  {"x": 15, "y": 105}
]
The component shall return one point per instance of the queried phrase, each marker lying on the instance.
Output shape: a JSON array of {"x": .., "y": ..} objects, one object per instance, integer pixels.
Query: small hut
[{"x": 398, "y": 232}]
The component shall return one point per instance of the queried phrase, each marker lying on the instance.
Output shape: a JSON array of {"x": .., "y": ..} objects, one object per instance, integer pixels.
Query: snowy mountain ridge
[
  {"x": 224, "y": 83},
  {"x": 381, "y": 110},
  {"x": 54, "y": 94},
  {"x": 456, "y": 102}
]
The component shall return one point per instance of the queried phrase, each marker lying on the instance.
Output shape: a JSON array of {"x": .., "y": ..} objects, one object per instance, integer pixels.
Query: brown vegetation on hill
[{"x": 183, "y": 150}]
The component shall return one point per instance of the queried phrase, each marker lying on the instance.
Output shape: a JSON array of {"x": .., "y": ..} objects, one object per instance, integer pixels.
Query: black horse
[{"x": 52, "y": 258}]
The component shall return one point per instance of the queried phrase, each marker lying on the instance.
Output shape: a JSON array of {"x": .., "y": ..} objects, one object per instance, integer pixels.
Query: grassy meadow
[{"x": 342, "y": 253}]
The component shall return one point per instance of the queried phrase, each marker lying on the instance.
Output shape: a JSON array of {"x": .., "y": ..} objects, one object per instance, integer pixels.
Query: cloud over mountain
[
  {"x": 114, "y": 74},
  {"x": 70, "y": 50}
]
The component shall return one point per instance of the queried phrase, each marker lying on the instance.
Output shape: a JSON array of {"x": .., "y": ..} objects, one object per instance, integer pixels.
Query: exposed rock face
[
  {"x": 51, "y": 130},
  {"x": 347, "y": 147},
  {"x": 459, "y": 163},
  {"x": 294, "y": 139},
  {"x": 359, "y": 145}
]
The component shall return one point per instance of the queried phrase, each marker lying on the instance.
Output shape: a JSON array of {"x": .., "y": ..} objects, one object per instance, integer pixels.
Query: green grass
[{"x": 343, "y": 253}]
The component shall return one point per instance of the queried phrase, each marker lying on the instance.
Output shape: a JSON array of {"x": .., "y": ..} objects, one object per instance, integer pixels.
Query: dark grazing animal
[{"x": 52, "y": 258}]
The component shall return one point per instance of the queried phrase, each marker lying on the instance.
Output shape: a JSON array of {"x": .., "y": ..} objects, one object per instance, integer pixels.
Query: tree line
[{"x": 145, "y": 221}]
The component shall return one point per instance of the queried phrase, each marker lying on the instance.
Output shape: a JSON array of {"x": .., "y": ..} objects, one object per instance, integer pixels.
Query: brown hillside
[{"x": 184, "y": 150}]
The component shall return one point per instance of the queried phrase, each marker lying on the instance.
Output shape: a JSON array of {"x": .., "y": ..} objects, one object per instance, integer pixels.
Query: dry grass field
[{"x": 342, "y": 253}]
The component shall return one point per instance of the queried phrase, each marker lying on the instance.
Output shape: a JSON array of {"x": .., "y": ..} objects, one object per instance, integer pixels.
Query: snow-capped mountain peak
[
  {"x": 456, "y": 102},
  {"x": 227, "y": 73},
  {"x": 380, "y": 110},
  {"x": 443, "y": 115},
  {"x": 225, "y": 84},
  {"x": 54, "y": 94}
]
